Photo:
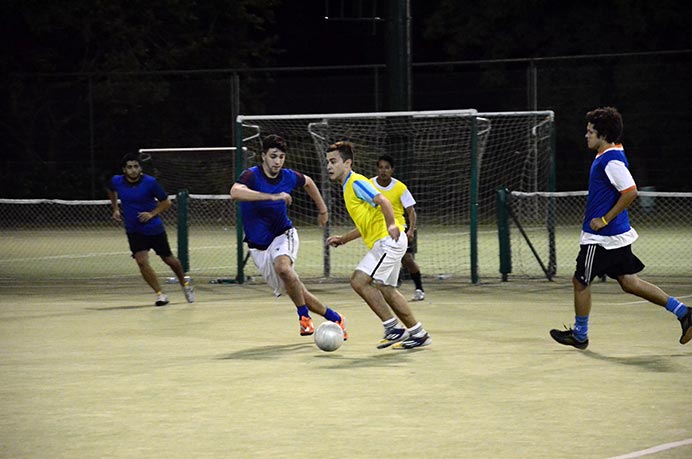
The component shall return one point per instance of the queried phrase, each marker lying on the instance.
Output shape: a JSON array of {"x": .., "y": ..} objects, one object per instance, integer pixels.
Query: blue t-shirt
[
  {"x": 265, "y": 220},
  {"x": 603, "y": 195},
  {"x": 141, "y": 196}
]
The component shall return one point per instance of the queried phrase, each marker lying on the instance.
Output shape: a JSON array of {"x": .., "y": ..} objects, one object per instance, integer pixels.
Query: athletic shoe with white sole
[
  {"x": 393, "y": 336},
  {"x": 161, "y": 299},
  {"x": 413, "y": 342},
  {"x": 189, "y": 292},
  {"x": 306, "y": 326},
  {"x": 418, "y": 295}
]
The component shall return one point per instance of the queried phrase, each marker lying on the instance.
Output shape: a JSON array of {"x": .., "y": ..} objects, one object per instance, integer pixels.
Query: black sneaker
[
  {"x": 567, "y": 338},
  {"x": 412, "y": 342},
  {"x": 393, "y": 336},
  {"x": 686, "y": 323}
]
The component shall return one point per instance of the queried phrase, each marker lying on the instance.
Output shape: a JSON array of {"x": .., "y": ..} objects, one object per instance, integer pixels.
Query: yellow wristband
[{"x": 605, "y": 222}]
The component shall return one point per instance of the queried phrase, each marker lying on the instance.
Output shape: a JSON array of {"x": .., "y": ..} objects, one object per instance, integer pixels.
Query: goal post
[
  {"x": 200, "y": 178},
  {"x": 451, "y": 160},
  {"x": 545, "y": 226}
]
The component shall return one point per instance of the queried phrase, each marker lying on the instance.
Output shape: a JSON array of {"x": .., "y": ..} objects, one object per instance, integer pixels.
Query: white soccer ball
[{"x": 329, "y": 336}]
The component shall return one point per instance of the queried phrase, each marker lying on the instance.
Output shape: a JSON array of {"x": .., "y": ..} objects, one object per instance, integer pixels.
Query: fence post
[
  {"x": 183, "y": 235},
  {"x": 502, "y": 196}
]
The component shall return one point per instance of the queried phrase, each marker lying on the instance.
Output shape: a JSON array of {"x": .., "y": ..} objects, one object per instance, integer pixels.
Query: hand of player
[
  {"x": 596, "y": 224},
  {"x": 116, "y": 216},
  {"x": 335, "y": 241},
  {"x": 144, "y": 216},
  {"x": 409, "y": 235},
  {"x": 285, "y": 197},
  {"x": 394, "y": 231}
]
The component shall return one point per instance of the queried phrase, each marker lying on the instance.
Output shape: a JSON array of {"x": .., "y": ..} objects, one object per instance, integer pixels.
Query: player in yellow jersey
[
  {"x": 377, "y": 274},
  {"x": 403, "y": 203}
]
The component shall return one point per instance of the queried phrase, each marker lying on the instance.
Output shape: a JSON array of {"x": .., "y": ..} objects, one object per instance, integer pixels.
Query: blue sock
[
  {"x": 676, "y": 307},
  {"x": 332, "y": 315},
  {"x": 303, "y": 311},
  {"x": 581, "y": 327}
]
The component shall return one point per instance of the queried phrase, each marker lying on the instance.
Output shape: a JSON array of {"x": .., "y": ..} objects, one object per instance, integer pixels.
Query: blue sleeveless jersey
[
  {"x": 142, "y": 196},
  {"x": 265, "y": 220},
  {"x": 603, "y": 195}
]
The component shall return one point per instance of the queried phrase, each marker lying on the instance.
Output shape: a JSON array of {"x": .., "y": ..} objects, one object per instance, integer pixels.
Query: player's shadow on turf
[
  {"x": 654, "y": 363},
  {"x": 265, "y": 352},
  {"x": 117, "y": 308},
  {"x": 383, "y": 359}
]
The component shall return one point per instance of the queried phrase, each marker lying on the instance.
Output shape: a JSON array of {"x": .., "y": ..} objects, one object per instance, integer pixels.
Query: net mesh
[
  {"x": 662, "y": 220},
  {"x": 46, "y": 240},
  {"x": 197, "y": 170},
  {"x": 433, "y": 157}
]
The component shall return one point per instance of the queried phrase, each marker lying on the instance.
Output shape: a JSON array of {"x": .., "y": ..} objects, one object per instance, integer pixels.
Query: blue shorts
[{"x": 595, "y": 261}]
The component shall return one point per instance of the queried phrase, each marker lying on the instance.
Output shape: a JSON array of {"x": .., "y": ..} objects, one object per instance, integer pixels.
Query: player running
[
  {"x": 143, "y": 199},
  {"x": 377, "y": 275},
  {"x": 264, "y": 192},
  {"x": 607, "y": 237}
]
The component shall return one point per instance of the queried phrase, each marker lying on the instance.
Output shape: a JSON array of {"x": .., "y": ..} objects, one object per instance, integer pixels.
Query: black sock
[{"x": 417, "y": 280}]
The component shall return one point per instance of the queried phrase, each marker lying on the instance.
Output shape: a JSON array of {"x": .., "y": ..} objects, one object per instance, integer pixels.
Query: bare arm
[
  {"x": 240, "y": 192},
  {"x": 336, "y": 241},
  {"x": 622, "y": 203},
  {"x": 314, "y": 193},
  {"x": 113, "y": 196},
  {"x": 161, "y": 207},
  {"x": 412, "y": 216},
  {"x": 388, "y": 212}
]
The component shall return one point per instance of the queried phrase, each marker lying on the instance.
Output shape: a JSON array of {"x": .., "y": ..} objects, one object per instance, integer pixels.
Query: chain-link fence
[
  {"x": 64, "y": 134},
  {"x": 662, "y": 220}
]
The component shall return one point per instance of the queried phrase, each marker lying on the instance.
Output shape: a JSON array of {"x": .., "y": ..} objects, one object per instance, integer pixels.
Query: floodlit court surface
[{"x": 96, "y": 371}]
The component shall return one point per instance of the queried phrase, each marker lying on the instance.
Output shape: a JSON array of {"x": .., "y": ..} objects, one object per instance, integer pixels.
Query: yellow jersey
[
  {"x": 400, "y": 197},
  {"x": 358, "y": 197}
]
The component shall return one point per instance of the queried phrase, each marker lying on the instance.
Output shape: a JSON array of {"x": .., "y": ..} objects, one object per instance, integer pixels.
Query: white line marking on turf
[{"x": 655, "y": 449}]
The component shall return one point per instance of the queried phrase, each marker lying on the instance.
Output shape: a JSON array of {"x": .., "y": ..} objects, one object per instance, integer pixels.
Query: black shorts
[
  {"x": 144, "y": 242},
  {"x": 595, "y": 261}
]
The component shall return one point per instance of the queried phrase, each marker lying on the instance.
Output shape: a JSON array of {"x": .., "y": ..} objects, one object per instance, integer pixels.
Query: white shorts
[
  {"x": 286, "y": 244},
  {"x": 383, "y": 261}
]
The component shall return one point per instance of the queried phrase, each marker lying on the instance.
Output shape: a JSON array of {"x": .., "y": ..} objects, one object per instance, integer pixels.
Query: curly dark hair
[
  {"x": 387, "y": 158},
  {"x": 607, "y": 121},
  {"x": 273, "y": 141}
]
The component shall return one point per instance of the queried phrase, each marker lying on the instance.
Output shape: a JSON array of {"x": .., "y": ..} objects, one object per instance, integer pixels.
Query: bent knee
[
  {"x": 628, "y": 284},
  {"x": 359, "y": 280}
]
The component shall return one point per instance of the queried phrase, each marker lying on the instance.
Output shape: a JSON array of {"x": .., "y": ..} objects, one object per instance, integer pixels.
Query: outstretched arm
[
  {"x": 240, "y": 192},
  {"x": 336, "y": 241},
  {"x": 314, "y": 193}
]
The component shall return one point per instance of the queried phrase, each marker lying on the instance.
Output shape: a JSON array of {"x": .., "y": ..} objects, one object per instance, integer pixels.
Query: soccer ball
[{"x": 329, "y": 336}]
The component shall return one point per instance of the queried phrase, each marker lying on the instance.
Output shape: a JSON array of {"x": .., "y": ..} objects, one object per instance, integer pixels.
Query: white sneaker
[
  {"x": 161, "y": 300},
  {"x": 419, "y": 295},
  {"x": 189, "y": 292}
]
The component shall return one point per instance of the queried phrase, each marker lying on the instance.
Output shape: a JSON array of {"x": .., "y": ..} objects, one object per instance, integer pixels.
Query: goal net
[
  {"x": 201, "y": 177},
  {"x": 544, "y": 231},
  {"x": 452, "y": 162}
]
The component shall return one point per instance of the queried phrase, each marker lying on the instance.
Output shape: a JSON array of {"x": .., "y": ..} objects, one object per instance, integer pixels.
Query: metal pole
[
  {"x": 91, "y": 138},
  {"x": 399, "y": 55}
]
